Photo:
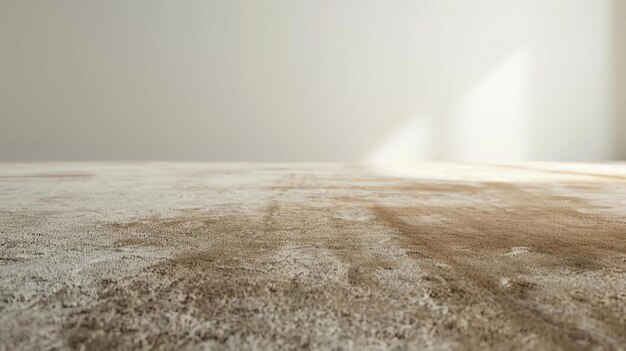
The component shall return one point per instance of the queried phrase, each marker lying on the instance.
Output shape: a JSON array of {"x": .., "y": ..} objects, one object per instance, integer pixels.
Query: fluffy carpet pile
[{"x": 322, "y": 256}]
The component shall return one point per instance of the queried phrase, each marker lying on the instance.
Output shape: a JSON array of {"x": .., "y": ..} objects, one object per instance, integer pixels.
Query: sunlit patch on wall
[
  {"x": 410, "y": 142},
  {"x": 492, "y": 118}
]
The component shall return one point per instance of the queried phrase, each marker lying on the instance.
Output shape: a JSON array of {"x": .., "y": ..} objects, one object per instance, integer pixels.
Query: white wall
[
  {"x": 323, "y": 80},
  {"x": 619, "y": 78}
]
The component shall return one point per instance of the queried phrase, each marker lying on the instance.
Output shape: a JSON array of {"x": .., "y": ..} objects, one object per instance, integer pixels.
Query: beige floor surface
[{"x": 312, "y": 256}]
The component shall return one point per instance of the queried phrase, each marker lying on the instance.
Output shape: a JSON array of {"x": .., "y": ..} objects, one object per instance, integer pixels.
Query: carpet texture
[{"x": 312, "y": 256}]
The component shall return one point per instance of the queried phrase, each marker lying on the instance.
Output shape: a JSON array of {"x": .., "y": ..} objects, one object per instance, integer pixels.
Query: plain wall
[
  {"x": 324, "y": 80},
  {"x": 619, "y": 81}
]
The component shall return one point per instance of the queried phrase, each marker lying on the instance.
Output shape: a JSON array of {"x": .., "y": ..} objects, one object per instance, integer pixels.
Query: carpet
[{"x": 236, "y": 256}]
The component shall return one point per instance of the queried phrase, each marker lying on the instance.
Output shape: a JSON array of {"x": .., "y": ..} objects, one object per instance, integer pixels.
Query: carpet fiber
[{"x": 318, "y": 256}]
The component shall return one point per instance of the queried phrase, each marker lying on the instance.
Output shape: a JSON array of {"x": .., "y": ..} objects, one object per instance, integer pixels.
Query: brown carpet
[{"x": 321, "y": 256}]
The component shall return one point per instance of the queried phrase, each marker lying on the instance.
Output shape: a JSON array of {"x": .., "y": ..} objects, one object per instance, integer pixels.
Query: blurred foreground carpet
[{"x": 318, "y": 256}]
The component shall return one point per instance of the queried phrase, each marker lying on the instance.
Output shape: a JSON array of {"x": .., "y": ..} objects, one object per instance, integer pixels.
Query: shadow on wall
[{"x": 619, "y": 80}]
